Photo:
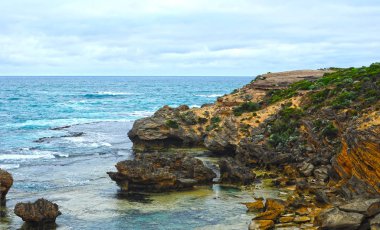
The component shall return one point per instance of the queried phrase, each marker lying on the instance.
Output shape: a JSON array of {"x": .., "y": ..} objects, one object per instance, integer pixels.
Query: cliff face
[{"x": 323, "y": 122}]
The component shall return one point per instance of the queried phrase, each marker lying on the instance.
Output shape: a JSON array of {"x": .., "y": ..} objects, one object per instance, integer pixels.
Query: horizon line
[{"x": 125, "y": 76}]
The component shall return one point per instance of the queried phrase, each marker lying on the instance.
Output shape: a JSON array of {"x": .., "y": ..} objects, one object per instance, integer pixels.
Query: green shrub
[
  {"x": 172, "y": 124},
  {"x": 246, "y": 107},
  {"x": 202, "y": 120},
  {"x": 215, "y": 120},
  {"x": 284, "y": 130}
]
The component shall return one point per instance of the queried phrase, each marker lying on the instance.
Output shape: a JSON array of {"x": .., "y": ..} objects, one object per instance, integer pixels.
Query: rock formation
[
  {"x": 38, "y": 213},
  {"x": 6, "y": 182},
  {"x": 320, "y": 128},
  {"x": 152, "y": 172}
]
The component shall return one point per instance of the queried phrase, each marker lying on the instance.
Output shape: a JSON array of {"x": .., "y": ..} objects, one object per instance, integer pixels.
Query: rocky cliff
[{"x": 324, "y": 122}]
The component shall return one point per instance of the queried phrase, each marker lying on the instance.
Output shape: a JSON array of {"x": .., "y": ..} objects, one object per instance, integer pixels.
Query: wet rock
[
  {"x": 261, "y": 225},
  {"x": 40, "y": 212},
  {"x": 156, "y": 172},
  {"x": 6, "y": 182},
  {"x": 367, "y": 207},
  {"x": 337, "y": 219},
  {"x": 233, "y": 172},
  {"x": 255, "y": 206},
  {"x": 303, "y": 211}
]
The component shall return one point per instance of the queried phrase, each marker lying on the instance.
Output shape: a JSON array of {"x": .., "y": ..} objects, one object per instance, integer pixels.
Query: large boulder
[
  {"x": 40, "y": 212},
  {"x": 338, "y": 219},
  {"x": 167, "y": 128},
  {"x": 234, "y": 172},
  {"x": 6, "y": 182},
  {"x": 153, "y": 172},
  {"x": 367, "y": 207}
]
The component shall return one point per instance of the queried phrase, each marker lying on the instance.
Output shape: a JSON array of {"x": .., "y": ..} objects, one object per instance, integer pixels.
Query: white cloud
[{"x": 191, "y": 37}]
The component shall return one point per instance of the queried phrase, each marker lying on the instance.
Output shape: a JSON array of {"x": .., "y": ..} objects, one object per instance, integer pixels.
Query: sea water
[{"x": 60, "y": 135}]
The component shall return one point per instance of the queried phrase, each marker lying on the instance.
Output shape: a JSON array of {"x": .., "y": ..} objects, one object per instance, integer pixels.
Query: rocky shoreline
[
  {"x": 314, "y": 133},
  {"x": 319, "y": 128}
]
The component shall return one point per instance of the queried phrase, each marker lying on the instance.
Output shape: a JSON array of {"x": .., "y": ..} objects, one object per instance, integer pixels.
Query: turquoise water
[{"x": 60, "y": 135}]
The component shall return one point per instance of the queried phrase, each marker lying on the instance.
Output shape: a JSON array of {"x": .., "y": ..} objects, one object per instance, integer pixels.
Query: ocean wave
[
  {"x": 9, "y": 166},
  {"x": 194, "y": 106},
  {"x": 105, "y": 94},
  {"x": 209, "y": 95},
  {"x": 25, "y": 156}
]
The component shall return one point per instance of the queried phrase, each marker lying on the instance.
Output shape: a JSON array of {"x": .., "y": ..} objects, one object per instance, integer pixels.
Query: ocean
[{"x": 60, "y": 135}]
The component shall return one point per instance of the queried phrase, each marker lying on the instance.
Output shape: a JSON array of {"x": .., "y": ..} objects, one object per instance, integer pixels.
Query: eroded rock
[
  {"x": 337, "y": 219},
  {"x": 6, "y": 182},
  {"x": 161, "y": 172},
  {"x": 40, "y": 212}
]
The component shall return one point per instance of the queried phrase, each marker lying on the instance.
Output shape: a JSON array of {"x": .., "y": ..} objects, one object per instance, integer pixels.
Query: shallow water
[{"x": 68, "y": 165}]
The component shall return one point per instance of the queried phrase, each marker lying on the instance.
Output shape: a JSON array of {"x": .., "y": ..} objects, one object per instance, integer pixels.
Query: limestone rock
[
  {"x": 337, "y": 219},
  {"x": 255, "y": 206},
  {"x": 41, "y": 211},
  {"x": 6, "y": 182},
  {"x": 154, "y": 172},
  {"x": 367, "y": 207}
]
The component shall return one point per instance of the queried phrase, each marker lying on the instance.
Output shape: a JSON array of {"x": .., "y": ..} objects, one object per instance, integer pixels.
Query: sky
[{"x": 185, "y": 37}]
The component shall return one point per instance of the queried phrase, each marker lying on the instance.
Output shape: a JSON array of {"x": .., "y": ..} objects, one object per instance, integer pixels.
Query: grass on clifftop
[{"x": 344, "y": 88}]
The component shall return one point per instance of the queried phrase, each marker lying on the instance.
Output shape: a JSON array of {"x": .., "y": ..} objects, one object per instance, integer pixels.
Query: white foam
[
  {"x": 194, "y": 106},
  {"x": 113, "y": 93},
  {"x": 209, "y": 96},
  {"x": 25, "y": 156},
  {"x": 9, "y": 166}
]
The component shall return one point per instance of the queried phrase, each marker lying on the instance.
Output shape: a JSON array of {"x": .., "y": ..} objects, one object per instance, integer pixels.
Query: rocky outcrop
[
  {"x": 6, "y": 182},
  {"x": 153, "y": 172},
  {"x": 40, "y": 212},
  {"x": 212, "y": 126},
  {"x": 357, "y": 166},
  {"x": 167, "y": 128},
  {"x": 321, "y": 128}
]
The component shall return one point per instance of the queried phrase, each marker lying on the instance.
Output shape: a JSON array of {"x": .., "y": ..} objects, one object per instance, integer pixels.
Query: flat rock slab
[
  {"x": 338, "y": 219},
  {"x": 369, "y": 207}
]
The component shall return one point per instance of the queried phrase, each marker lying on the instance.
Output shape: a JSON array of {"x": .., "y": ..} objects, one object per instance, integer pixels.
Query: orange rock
[
  {"x": 275, "y": 204},
  {"x": 261, "y": 225},
  {"x": 267, "y": 215},
  {"x": 303, "y": 211},
  {"x": 286, "y": 219},
  {"x": 254, "y": 206}
]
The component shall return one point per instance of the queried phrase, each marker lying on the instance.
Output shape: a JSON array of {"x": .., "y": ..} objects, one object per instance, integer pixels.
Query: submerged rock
[
  {"x": 40, "y": 212},
  {"x": 6, "y": 182},
  {"x": 161, "y": 172}
]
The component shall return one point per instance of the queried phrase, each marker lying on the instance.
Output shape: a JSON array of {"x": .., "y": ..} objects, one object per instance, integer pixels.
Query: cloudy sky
[{"x": 185, "y": 37}]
